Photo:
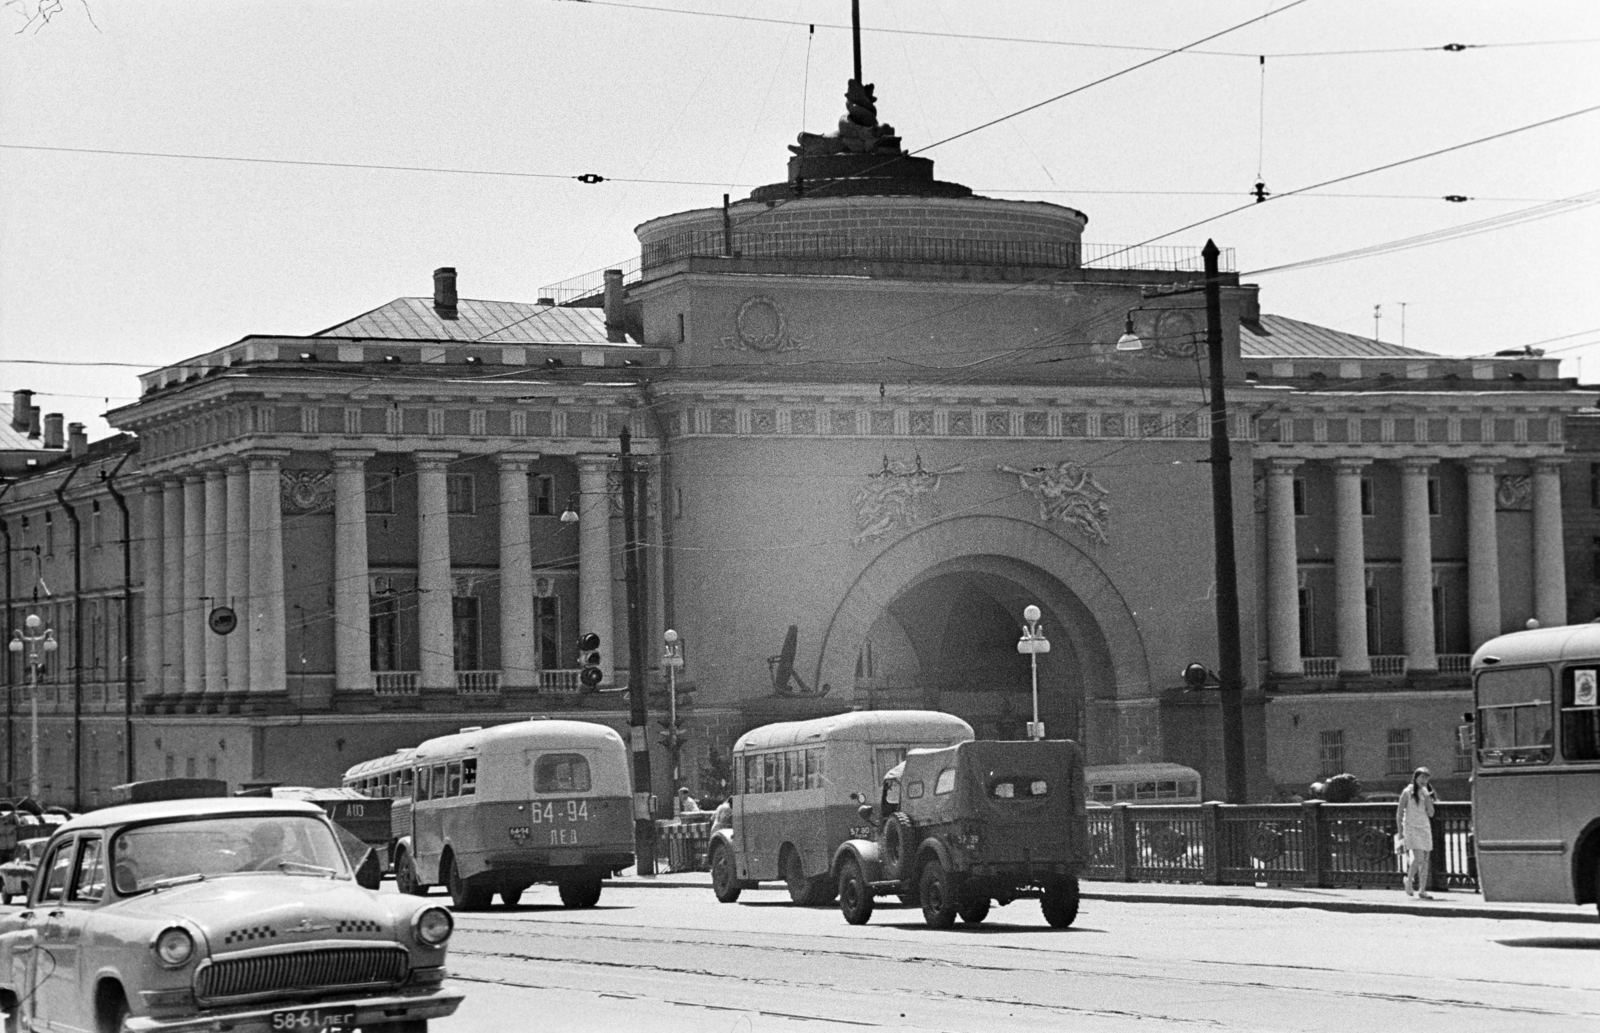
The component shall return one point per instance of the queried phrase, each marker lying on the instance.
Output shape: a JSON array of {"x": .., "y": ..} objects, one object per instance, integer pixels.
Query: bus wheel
[
  {"x": 463, "y": 894},
  {"x": 939, "y": 900},
  {"x": 580, "y": 891},
  {"x": 405, "y": 875},
  {"x": 974, "y": 911},
  {"x": 1060, "y": 903},
  {"x": 803, "y": 891},
  {"x": 724, "y": 878},
  {"x": 855, "y": 898},
  {"x": 510, "y": 895}
]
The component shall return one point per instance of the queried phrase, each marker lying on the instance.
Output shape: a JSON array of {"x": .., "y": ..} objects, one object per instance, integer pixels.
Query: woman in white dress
[{"x": 1412, "y": 819}]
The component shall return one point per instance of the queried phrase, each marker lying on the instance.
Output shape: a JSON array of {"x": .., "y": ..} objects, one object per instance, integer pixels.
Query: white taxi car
[{"x": 216, "y": 914}]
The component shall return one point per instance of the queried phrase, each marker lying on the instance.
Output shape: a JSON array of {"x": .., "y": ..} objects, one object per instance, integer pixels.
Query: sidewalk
[{"x": 1354, "y": 901}]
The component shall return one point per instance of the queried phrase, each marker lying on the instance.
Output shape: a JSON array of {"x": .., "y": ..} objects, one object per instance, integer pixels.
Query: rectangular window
[
  {"x": 547, "y": 621},
  {"x": 752, "y": 774},
  {"x": 469, "y": 776},
  {"x": 437, "y": 786},
  {"x": 1399, "y": 751},
  {"x": 49, "y": 535},
  {"x": 452, "y": 778},
  {"x": 1435, "y": 507},
  {"x": 464, "y": 615},
  {"x": 542, "y": 495},
  {"x": 1367, "y": 507},
  {"x": 814, "y": 768},
  {"x": 96, "y": 525},
  {"x": 424, "y": 784},
  {"x": 1439, "y": 636},
  {"x": 59, "y": 867},
  {"x": 1594, "y": 558},
  {"x": 1332, "y": 758},
  {"x": 384, "y": 633},
  {"x": 1580, "y": 713},
  {"x": 89, "y": 883},
  {"x": 380, "y": 493},
  {"x": 1374, "y": 623},
  {"x": 561, "y": 773},
  {"x": 1299, "y": 496},
  {"x": 460, "y": 493},
  {"x": 1463, "y": 755},
  {"x": 1307, "y": 625},
  {"x": 1514, "y": 717},
  {"x": 771, "y": 773},
  {"x": 1594, "y": 485}
]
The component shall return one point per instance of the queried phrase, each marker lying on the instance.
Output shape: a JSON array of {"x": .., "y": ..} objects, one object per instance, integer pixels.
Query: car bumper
[{"x": 371, "y": 1013}]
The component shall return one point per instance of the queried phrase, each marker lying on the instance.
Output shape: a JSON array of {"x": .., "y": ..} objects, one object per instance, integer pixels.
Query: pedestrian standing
[{"x": 1412, "y": 819}]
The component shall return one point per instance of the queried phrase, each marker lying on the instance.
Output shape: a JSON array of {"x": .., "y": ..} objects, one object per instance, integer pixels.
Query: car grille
[{"x": 324, "y": 969}]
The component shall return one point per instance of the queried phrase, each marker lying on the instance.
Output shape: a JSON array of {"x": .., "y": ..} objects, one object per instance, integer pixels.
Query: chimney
[
  {"x": 444, "y": 292},
  {"x": 77, "y": 440},
  {"x": 21, "y": 403},
  {"x": 52, "y": 431},
  {"x": 616, "y": 323},
  {"x": 33, "y": 421}
]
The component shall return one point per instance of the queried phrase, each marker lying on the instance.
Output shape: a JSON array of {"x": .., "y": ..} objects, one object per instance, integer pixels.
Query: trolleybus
[{"x": 1536, "y": 772}]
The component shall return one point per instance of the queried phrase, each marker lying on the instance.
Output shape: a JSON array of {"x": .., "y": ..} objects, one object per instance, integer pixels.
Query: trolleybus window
[
  {"x": 1580, "y": 713},
  {"x": 561, "y": 773},
  {"x": 1514, "y": 717}
]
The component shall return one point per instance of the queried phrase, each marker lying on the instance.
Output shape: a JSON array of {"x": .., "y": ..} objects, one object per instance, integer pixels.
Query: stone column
[
  {"x": 154, "y": 580},
  {"x": 1549, "y": 562},
  {"x": 519, "y": 663},
  {"x": 1283, "y": 571},
  {"x": 1416, "y": 564},
  {"x": 172, "y": 588},
  {"x": 267, "y": 650},
  {"x": 352, "y": 611},
  {"x": 238, "y": 592},
  {"x": 1350, "y": 567},
  {"x": 194, "y": 585},
  {"x": 435, "y": 588},
  {"x": 594, "y": 559},
  {"x": 216, "y": 577},
  {"x": 1483, "y": 552}
]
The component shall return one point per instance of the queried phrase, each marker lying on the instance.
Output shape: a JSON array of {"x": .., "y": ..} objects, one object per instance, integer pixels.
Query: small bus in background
[
  {"x": 1536, "y": 767},
  {"x": 495, "y": 810},
  {"x": 797, "y": 786},
  {"x": 1142, "y": 783}
]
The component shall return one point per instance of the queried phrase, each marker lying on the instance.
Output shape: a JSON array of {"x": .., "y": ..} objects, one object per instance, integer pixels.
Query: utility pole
[
  {"x": 1229, "y": 659},
  {"x": 638, "y": 715}
]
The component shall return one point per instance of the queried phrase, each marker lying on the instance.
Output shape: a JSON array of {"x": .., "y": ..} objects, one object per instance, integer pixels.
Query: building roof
[
  {"x": 13, "y": 440},
  {"x": 489, "y": 322},
  {"x": 1279, "y": 337}
]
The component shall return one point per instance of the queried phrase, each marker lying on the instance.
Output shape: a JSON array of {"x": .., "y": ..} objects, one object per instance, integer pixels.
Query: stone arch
[{"x": 1064, "y": 579}]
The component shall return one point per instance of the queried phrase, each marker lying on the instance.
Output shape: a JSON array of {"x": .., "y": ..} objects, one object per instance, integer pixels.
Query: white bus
[
  {"x": 494, "y": 810},
  {"x": 1536, "y": 770},
  {"x": 1155, "y": 783},
  {"x": 797, "y": 786}
]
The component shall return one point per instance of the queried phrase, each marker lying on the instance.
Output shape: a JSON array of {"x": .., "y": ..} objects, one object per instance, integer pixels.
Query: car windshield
[{"x": 150, "y": 856}]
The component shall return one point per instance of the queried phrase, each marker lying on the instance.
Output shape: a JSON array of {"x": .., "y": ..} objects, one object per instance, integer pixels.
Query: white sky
[{"x": 150, "y": 260}]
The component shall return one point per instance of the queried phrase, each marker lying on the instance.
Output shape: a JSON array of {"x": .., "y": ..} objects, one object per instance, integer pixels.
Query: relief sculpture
[
  {"x": 306, "y": 491},
  {"x": 898, "y": 496},
  {"x": 1069, "y": 493}
]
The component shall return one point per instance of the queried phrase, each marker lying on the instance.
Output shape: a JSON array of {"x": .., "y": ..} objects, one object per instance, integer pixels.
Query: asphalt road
[{"x": 670, "y": 959}]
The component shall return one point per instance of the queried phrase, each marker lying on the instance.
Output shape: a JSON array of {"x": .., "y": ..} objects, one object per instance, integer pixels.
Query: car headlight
[
  {"x": 433, "y": 926},
  {"x": 174, "y": 947}
]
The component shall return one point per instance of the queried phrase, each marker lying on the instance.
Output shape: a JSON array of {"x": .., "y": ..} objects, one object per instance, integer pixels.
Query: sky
[{"x": 141, "y": 260}]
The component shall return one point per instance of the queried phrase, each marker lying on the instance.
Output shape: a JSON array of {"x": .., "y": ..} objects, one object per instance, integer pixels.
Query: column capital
[
  {"x": 594, "y": 461},
  {"x": 434, "y": 460},
  {"x": 215, "y": 473},
  {"x": 1484, "y": 464},
  {"x": 265, "y": 459},
  {"x": 1417, "y": 464},
  {"x": 1284, "y": 465},
  {"x": 518, "y": 461},
  {"x": 1350, "y": 465},
  {"x": 351, "y": 458},
  {"x": 1543, "y": 464}
]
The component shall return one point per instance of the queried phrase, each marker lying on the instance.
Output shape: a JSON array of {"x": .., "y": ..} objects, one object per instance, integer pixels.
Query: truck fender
[
  {"x": 931, "y": 847},
  {"x": 863, "y": 852}
]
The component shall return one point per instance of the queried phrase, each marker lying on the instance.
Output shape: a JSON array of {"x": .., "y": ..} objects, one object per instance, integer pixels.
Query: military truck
[{"x": 959, "y": 828}]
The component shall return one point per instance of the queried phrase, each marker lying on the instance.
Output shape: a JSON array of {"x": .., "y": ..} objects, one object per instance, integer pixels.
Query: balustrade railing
[
  {"x": 1321, "y": 666},
  {"x": 478, "y": 683},
  {"x": 1389, "y": 666},
  {"x": 560, "y": 681},
  {"x": 1295, "y": 844},
  {"x": 396, "y": 683}
]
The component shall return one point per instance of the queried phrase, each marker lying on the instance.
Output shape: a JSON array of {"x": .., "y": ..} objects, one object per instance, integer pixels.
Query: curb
[{"x": 1440, "y": 908}]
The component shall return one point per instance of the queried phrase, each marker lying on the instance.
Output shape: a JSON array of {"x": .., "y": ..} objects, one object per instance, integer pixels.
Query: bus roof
[
  {"x": 397, "y": 759},
  {"x": 859, "y": 726},
  {"x": 1540, "y": 645},
  {"x": 533, "y": 730},
  {"x": 1159, "y": 770}
]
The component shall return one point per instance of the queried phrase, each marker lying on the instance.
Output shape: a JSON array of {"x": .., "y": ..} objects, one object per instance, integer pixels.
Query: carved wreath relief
[{"x": 759, "y": 325}]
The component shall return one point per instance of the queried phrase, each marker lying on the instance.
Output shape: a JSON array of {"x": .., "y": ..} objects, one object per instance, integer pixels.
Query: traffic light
[{"x": 590, "y": 676}]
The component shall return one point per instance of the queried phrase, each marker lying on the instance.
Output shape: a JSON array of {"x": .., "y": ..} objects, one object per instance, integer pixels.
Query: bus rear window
[
  {"x": 561, "y": 773},
  {"x": 1514, "y": 717},
  {"x": 1580, "y": 713}
]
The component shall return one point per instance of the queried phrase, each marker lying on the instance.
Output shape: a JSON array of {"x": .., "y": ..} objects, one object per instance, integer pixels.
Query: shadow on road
[
  {"x": 989, "y": 927},
  {"x": 1571, "y": 943}
]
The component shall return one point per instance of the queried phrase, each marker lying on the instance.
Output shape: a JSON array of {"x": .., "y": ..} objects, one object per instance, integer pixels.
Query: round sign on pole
[{"x": 222, "y": 620}]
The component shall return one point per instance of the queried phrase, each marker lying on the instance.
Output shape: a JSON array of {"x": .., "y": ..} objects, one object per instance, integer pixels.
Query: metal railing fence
[{"x": 1311, "y": 844}]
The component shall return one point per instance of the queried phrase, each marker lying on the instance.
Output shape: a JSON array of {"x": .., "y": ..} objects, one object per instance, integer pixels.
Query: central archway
[{"x": 935, "y": 618}]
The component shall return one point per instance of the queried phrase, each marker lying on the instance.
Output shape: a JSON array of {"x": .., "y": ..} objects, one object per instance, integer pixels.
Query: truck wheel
[
  {"x": 939, "y": 899},
  {"x": 724, "y": 878},
  {"x": 1060, "y": 903},
  {"x": 855, "y": 897},
  {"x": 974, "y": 911}
]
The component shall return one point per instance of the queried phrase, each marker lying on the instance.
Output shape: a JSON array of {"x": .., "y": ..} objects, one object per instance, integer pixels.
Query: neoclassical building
[{"x": 872, "y": 417}]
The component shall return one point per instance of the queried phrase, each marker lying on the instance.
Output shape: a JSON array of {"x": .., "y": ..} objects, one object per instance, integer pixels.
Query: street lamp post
[
  {"x": 1033, "y": 643},
  {"x": 672, "y": 659},
  {"x": 34, "y": 641}
]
